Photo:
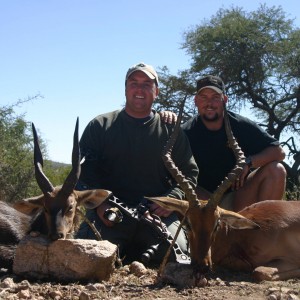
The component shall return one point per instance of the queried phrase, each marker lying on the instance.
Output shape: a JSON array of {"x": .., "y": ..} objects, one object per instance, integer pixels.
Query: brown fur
[{"x": 276, "y": 244}]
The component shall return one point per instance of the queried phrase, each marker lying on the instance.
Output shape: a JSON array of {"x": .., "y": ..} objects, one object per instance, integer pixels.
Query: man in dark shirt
[
  {"x": 123, "y": 154},
  {"x": 215, "y": 159}
]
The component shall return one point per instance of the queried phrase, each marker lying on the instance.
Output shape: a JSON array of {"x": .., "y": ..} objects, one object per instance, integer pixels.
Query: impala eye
[
  {"x": 218, "y": 224},
  {"x": 46, "y": 210}
]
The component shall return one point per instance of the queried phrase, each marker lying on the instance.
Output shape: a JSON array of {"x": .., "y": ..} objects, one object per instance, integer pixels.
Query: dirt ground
[{"x": 125, "y": 285}]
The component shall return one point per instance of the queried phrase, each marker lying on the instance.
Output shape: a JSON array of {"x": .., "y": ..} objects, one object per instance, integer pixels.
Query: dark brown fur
[{"x": 14, "y": 225}]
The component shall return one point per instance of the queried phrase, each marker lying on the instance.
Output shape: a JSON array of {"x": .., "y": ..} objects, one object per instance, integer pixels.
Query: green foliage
[
  {"x": 56, "y": 172},
  {"x": 16, "y": 172},
  {"x": 17, "y": 178},
  {"x": 173, "y": 90},
  {"x": 257, "y": 54}
]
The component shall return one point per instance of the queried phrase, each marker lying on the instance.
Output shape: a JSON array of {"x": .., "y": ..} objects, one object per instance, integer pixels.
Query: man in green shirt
[{"x": 123, "y": 154}]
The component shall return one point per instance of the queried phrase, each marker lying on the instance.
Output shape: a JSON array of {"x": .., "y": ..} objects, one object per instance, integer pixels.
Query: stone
[
  {"x": 181, "y": 275},
  {"x": 8, "y": 283},
  {"x": 265, "y": 273},
  {"x": 137, "y": 268},
  {"x": 69, "y": 260}
]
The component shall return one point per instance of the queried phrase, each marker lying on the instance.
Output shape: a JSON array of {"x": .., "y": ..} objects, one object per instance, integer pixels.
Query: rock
[
  {"x": 55, "y": 294},
  {"x": 292, "y": 297},
  {"x": 265, "y": 273},
  {"x": 23, "y": 285},
  {"x": 181, "y": 275},
  {"x": 65, "y": 260},
  {"x": 272, "y": 297},
  {"x": 84, "y": 296},
  {"x": 24, "y": 294},
  {"x": 138, "y": 269},
  {"x": 95, "y": 287},
  {"x": 8, "y": 283}
]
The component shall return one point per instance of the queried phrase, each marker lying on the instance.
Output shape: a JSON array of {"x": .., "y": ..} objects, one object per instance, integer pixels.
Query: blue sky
[{"x": 76, "y": 53}]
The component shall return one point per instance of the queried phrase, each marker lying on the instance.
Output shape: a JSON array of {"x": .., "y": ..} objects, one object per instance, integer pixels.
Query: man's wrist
[{"x": 249, "y": 162}]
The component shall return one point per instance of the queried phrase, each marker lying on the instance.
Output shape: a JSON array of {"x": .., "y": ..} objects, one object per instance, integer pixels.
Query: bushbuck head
[
  {"x": 53, "y": 213},
  {"x": 56, "y": 207},
  {"x": 203, "y": 218}
]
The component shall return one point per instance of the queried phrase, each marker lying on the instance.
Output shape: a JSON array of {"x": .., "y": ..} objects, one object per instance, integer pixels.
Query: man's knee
[
  {"x": 276, "y": 171},
  {"x": 280, "y": 170}
]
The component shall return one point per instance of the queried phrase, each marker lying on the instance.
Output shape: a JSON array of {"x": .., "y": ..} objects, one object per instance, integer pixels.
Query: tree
[
  {"x": 257, "y": 54},
  {"x": 17, "y": 178},
  {"x": 16, "y": 172}
]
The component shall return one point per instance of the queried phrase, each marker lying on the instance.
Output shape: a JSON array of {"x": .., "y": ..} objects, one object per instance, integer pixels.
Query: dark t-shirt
[
  {"x": 124, "y": 155},
  {"x": 211, "y": 151}
]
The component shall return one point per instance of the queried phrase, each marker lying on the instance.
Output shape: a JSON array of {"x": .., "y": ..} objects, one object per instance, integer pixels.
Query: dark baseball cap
[{"x": 211, "y": 82}]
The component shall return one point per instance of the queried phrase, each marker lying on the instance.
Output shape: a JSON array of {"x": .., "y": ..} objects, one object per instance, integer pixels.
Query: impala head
[
  {"x": 203, "y": 217},
  {"x": 58, "y": 204}
]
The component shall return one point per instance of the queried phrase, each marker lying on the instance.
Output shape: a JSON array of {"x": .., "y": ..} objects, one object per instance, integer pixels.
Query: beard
[{"x": 210, "y": 119}]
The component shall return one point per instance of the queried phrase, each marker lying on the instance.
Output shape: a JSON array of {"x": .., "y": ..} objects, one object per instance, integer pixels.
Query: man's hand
[
  {"x": 168, "y": 117},
  {"x": 158, "y": 210},
  {"x": 240, "y": 181}
]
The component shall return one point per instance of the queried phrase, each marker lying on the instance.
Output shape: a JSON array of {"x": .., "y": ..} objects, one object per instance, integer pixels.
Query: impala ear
[
  {"x": 236, "y": 221},
  {"x": 92, "y": 198},
  {"x": 180, "y": 206}
]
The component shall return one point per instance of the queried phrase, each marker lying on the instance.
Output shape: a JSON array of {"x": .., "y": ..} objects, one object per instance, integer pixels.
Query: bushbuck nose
[{"x": 56, "y": 236}]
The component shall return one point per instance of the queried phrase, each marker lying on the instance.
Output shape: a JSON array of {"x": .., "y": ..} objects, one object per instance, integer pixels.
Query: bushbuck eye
[{"x": 70, "y": 209}]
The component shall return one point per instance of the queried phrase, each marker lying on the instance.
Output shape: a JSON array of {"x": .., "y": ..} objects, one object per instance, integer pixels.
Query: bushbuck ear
[
  {"x": 236, "y": 221},
  {"x": 92, "y": 198},
  {"x": 180, "y": 206},
  {"x": 29, "y": 206}
]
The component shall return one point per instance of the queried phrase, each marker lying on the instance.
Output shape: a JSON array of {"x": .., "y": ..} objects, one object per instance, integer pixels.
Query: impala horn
[
  {"x": 170, "y": 165},
  {"x": 237, "y": 169}
]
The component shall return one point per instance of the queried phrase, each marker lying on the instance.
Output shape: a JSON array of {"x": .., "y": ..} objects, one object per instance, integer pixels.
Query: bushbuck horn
[
  {"x": 74, "y": 174},
  {"x": 235, "y": 172},
  {"x": 42, "y": 181},
  {"x": 170, "y": 165}
]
